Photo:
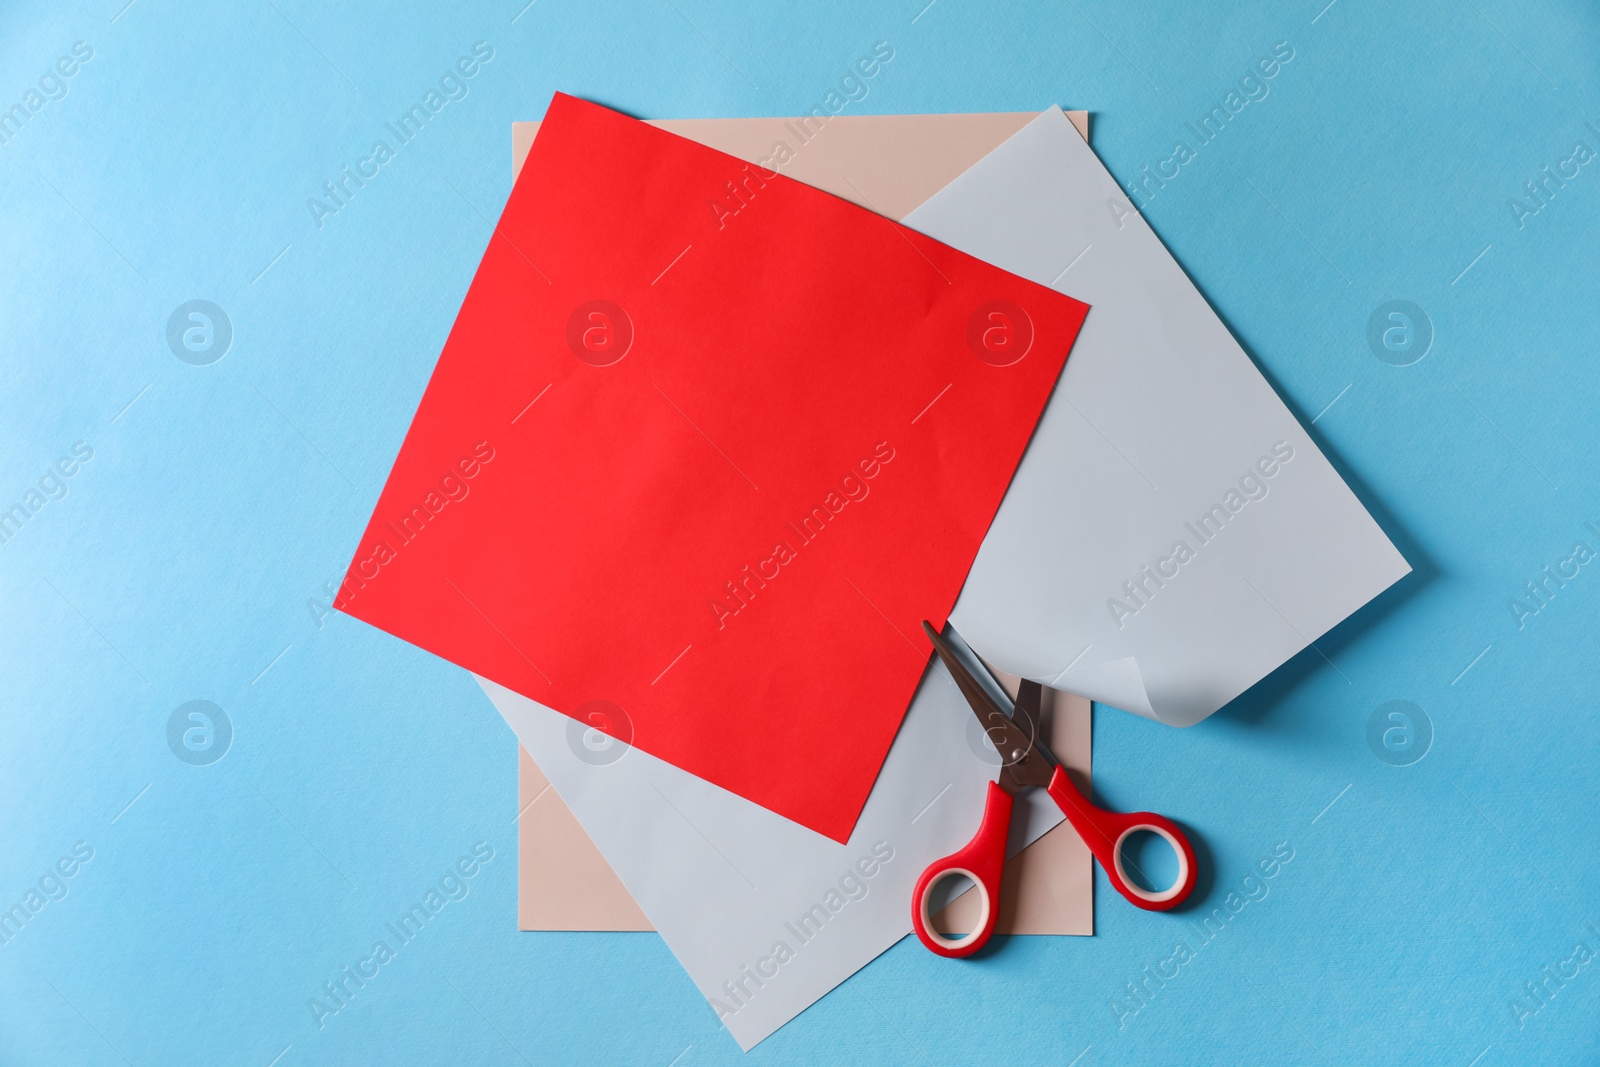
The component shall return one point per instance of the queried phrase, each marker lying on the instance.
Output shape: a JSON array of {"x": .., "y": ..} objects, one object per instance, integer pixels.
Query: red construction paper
[{"x": 704, "y": 447}]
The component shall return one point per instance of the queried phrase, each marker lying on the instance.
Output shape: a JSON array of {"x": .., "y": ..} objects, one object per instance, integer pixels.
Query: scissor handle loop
[
  {"x": 982, "y": 860},
  {"x": 1138, "y": 894},
  {"x": 1105, "y": 831}
]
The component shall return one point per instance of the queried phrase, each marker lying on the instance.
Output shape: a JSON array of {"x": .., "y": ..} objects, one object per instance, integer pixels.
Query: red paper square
[{"x": 703, "y": 449}]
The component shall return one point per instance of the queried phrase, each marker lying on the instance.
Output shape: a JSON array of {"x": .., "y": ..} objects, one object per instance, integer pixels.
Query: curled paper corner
[
  {"x": 1121, "y": 684},
  {"x": 1117, "y": 682}
]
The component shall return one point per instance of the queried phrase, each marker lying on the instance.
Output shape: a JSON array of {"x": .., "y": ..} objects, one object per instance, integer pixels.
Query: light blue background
[{"x": 181, "y": 562}]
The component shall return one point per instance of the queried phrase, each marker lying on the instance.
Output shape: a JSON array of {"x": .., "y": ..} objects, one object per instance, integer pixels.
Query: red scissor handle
[
  {"x": 1105, "y": 831},
  {"x": 981, "y": 860}
]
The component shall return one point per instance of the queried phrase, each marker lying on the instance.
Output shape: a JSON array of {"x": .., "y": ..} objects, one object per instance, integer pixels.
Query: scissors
[{"x": 1026, "y": 763}]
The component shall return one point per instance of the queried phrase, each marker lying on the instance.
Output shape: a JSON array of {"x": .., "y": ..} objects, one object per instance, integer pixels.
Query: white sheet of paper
[
  {"x": 1143, "y": 556},
  {"x": 726, "y": 882}
]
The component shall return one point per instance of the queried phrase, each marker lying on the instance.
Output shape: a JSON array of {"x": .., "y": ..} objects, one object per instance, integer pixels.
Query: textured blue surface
[{"x": 187, "y": 558}]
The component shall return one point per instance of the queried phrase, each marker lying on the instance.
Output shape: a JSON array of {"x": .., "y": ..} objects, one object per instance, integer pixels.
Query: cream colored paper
[{"x": 890, "y": 164}]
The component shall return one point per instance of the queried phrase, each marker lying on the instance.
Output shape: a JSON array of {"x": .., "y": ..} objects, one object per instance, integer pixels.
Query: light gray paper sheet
[
  {"x": 1158, "y": 416},
  {"x": 765, "y": 915},
  {"x": 1172, "y": 535}
]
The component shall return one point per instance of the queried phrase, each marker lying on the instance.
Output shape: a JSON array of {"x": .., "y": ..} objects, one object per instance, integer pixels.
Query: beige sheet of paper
[{"x": 889, "y": 164}]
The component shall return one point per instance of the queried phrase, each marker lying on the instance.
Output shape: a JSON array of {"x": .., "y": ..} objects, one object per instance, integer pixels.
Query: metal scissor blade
[
  {"x": 1024, "y": 759},
  {"x": 1028, "y": 708},
  {"x": 963, "y": 665},
  {"x": 1037, "y": 768}
]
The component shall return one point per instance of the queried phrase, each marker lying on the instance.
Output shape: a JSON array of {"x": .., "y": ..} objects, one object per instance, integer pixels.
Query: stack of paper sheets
[
  {"x": 893, "y": 164},
  {"x": 705, "y": 446}
]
